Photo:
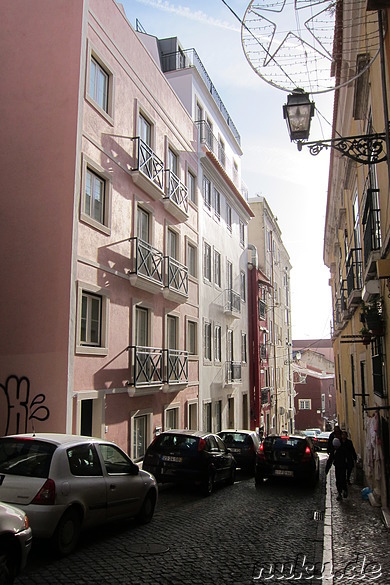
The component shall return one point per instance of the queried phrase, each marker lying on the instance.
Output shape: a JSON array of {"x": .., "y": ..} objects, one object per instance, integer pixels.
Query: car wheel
[
  {"x": 208, "y": 485},
  {"x": 67, "y": 533},
  {"x": 259, "y": 478},
  {"x": 147, "y": 510},
  {"x": 7, "y": 567}
]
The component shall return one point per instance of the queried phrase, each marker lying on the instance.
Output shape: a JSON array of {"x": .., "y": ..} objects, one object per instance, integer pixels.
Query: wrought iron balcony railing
[
  {"x": 262, "y": 309},
  {"x": 176, "y": 276},
  {"x": 354, "y": 270},
  {"x": 156, "y": 366},
  {"x": 233, "y": 372},
  {"x": 189, "y": 58},
  {"x": 371, "y": 224},
  {"x": 148, "y": 163},
  {"x": 148, "y": 262},
  {"x": 176, "y": 191},
  {"x": 232, "y": 302}
]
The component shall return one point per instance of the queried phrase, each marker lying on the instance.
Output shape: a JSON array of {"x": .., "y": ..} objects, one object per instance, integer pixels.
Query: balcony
[
  {"x": 147, "y": 270},
  {"x": 232, "y": 303},
  {"x": 233, "y": 372},
  {"x": 354, "y": 276},
  {"x": 262, "y": 310},
  {"x": 372, "y": 239},
  {"x": 176, "y": 280},
  {"x": 156, "y": 367},
  {"x": 149, "y": 170},
  {"x": 189, "y": 58},
  {"x": 176, "y": 196},
  {"x": 263, "y": 351}
]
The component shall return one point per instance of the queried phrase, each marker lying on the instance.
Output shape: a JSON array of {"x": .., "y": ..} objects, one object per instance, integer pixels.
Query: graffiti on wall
[{"x": 18, "y": 408}]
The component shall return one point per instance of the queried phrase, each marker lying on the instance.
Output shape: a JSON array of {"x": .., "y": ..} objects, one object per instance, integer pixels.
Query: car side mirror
[{"x": 133, "y": 469}]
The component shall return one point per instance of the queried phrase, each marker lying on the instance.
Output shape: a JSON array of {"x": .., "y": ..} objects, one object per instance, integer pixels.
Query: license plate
[
  {"x": 172, "y": 458},
  {"x": 284, "y": 472}
]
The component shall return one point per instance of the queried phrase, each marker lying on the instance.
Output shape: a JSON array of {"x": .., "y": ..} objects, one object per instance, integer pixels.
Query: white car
[
  {"x": 15, "y": 542},
  {"x": 68, "y": 482}
]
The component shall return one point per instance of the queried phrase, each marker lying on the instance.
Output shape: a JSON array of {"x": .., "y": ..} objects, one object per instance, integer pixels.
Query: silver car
[
  {"x": 15, "y": 542},
  {"x": 67, "y": 482}
]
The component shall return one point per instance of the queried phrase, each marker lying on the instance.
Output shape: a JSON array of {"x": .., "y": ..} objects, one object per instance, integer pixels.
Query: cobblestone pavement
[
  {"x": 231, "y": 538},
  {"x": 358, "y": 540}
]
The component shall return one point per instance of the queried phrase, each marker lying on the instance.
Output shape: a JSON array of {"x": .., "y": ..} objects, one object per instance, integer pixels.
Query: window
[
  {"x": 84, "y": 461},
  {"x": 217, "y": 343},
  {"x": 191, "y": 186},
  {"x": 141, "y": 327},
  {"x": 191, "y": 260},
  {"x": 229, "y": 217},
  {"x": 207, "y": 341},
  {"x": 207, "y": 417},
  {"x": 172, "y": 244},
  {"x": 145, "y": 130},
  {"x": 218, "y": 416},
  {"x": 243, "y": 348},
  {"x": 172, "y": 162},
  {"x": 192, "y": 415},
  {"x": 207, "y": 192},
  {"x": 221, "y": 152},
  {"x": 243, "y": 286},
  {"x": 217, "y": 204},
  {"x": 171, "y": 418},
  {"x": 217, "y": 268},
  {"x": 91, "y": 314},
  {"x": 304, "y": 404},
  {"x": 114, "y": 459},
  {"x": 99, "y": 84},
  {"x": 192, "y": 337},
  {"x": 242, "y": 233},
  {"x": 209, "y": 133},
  {"x": 207, "y": 262},
  {"x": 140, "y": 436},
  {"x": 95, "y": 188},
  {"x": 143, "y": 225},
  {"x": 172, "y": 332}
]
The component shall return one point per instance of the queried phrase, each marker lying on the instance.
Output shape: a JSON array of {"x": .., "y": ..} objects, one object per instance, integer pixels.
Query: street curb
[{"x": 327, "y": 554}]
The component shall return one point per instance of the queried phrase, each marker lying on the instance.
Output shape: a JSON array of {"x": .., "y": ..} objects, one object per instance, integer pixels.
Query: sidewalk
[{"x": 356, "y": 541}]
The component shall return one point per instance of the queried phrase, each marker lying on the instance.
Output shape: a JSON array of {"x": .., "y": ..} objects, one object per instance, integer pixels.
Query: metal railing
[
  {"x": 176, "y": 191},
  {"x": 177, "y": 276},
  {"x": 262, "y": 309},
  {"x": 156, "y": 366},
  {"x": 233, "y": 372},
  {"x": 189, "y": 58},
  {"x": 354, "y": 270},
  {"x": 232, "y": 301},
  {"x": 149, "y": 262},
  {"x": 176, "y": 366},
  {"x": 371, "y": 225},
  {"x": 148, "y": 163}
]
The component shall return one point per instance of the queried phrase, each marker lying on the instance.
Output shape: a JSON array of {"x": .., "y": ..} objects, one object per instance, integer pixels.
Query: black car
[
  {"x": 292, "y": 457},
  {"x": 243, "y": 445},
  {"x": 192, "y": 457}
]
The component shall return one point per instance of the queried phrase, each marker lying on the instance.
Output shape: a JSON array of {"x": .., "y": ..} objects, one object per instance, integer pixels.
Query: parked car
[
  {"x": 289, "y": 456},
  {"x": 310, "y": 433},
  {"x": 67, "y": 482},
  {"x": 320, "y": 441},
  {"x": 243, "y": 445},
  {"x": 15, "y": 541},
  {"x": 192, "y": 457}
]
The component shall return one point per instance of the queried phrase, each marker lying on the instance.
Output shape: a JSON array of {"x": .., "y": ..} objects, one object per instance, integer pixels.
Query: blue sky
[{"x": 294, "y": 183}]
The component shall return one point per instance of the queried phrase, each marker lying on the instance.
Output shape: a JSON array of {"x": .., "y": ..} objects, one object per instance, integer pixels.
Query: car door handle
[{"x": 112, "y": 486}]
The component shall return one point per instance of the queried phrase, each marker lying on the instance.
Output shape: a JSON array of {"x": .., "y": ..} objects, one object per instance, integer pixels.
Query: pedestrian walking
[
  {"x": 336, "y": 433},
  {"x": 351, "y": 454},
  {"x": 338, "y": 458}
]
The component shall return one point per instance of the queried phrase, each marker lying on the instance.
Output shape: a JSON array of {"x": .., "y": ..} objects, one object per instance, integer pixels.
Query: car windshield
[
  {"x": 285, "y": 443},
  {"x": 26, "y": 457},
  {"x": 235, "y": 438},
  {"x": 177, "y": 442}
]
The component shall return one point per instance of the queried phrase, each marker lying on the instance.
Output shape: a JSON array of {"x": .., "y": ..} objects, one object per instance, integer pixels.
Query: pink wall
[{"x": 39, "y": 106}]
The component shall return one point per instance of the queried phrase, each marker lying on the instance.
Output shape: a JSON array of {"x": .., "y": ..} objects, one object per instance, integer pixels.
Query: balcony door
[{"x": 142, "y": 365}]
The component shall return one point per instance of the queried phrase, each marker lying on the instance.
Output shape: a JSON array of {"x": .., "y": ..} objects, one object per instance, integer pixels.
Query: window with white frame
[
  {"x": 145, "y": 130},
  {"x": 92, "y": 320},
  {"x": 192, "y": 259},
  {"x": 244, "y": 358},
  {"x": 95, "y": 188},
  {"x": 304, "y": 404},
  {"x": 99, "y": 80},
  {"x": 207, "y": 192},
  {"x": 191, "y": 187},
  {"x": 243, "y": 285},
  {"x": 172, "y": 162},
  {"x": 140, "y": 436},
  {"x": 192, "y": 337},
  {"x": 217, "y": 343},
  {"x": 143, "y": 224},
  {"x": 172, "y": 244},
  {"x": 217, "y": 204},
  {"x": 207, "y": 262},
  {"x": 217, "y": 268},
  {"x": 221, "y": 151},
  {"x": 228, "y": 217},
  {"x": 171, "y": 418},
  {"x": 242, "y": 233},
  {"x": 95, "y": 196},
  {"x": 207, "y": 341}
]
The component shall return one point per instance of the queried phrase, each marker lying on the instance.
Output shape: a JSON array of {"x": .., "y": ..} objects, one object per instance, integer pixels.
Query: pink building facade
[{"x": 100, "y": 301}]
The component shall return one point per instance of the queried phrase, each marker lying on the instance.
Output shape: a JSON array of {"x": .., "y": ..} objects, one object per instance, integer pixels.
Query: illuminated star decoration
[{"x": 292, "y": 43}]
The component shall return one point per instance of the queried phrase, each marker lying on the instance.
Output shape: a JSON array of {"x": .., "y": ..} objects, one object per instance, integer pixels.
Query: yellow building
[{"x": 357, "y": 244}]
